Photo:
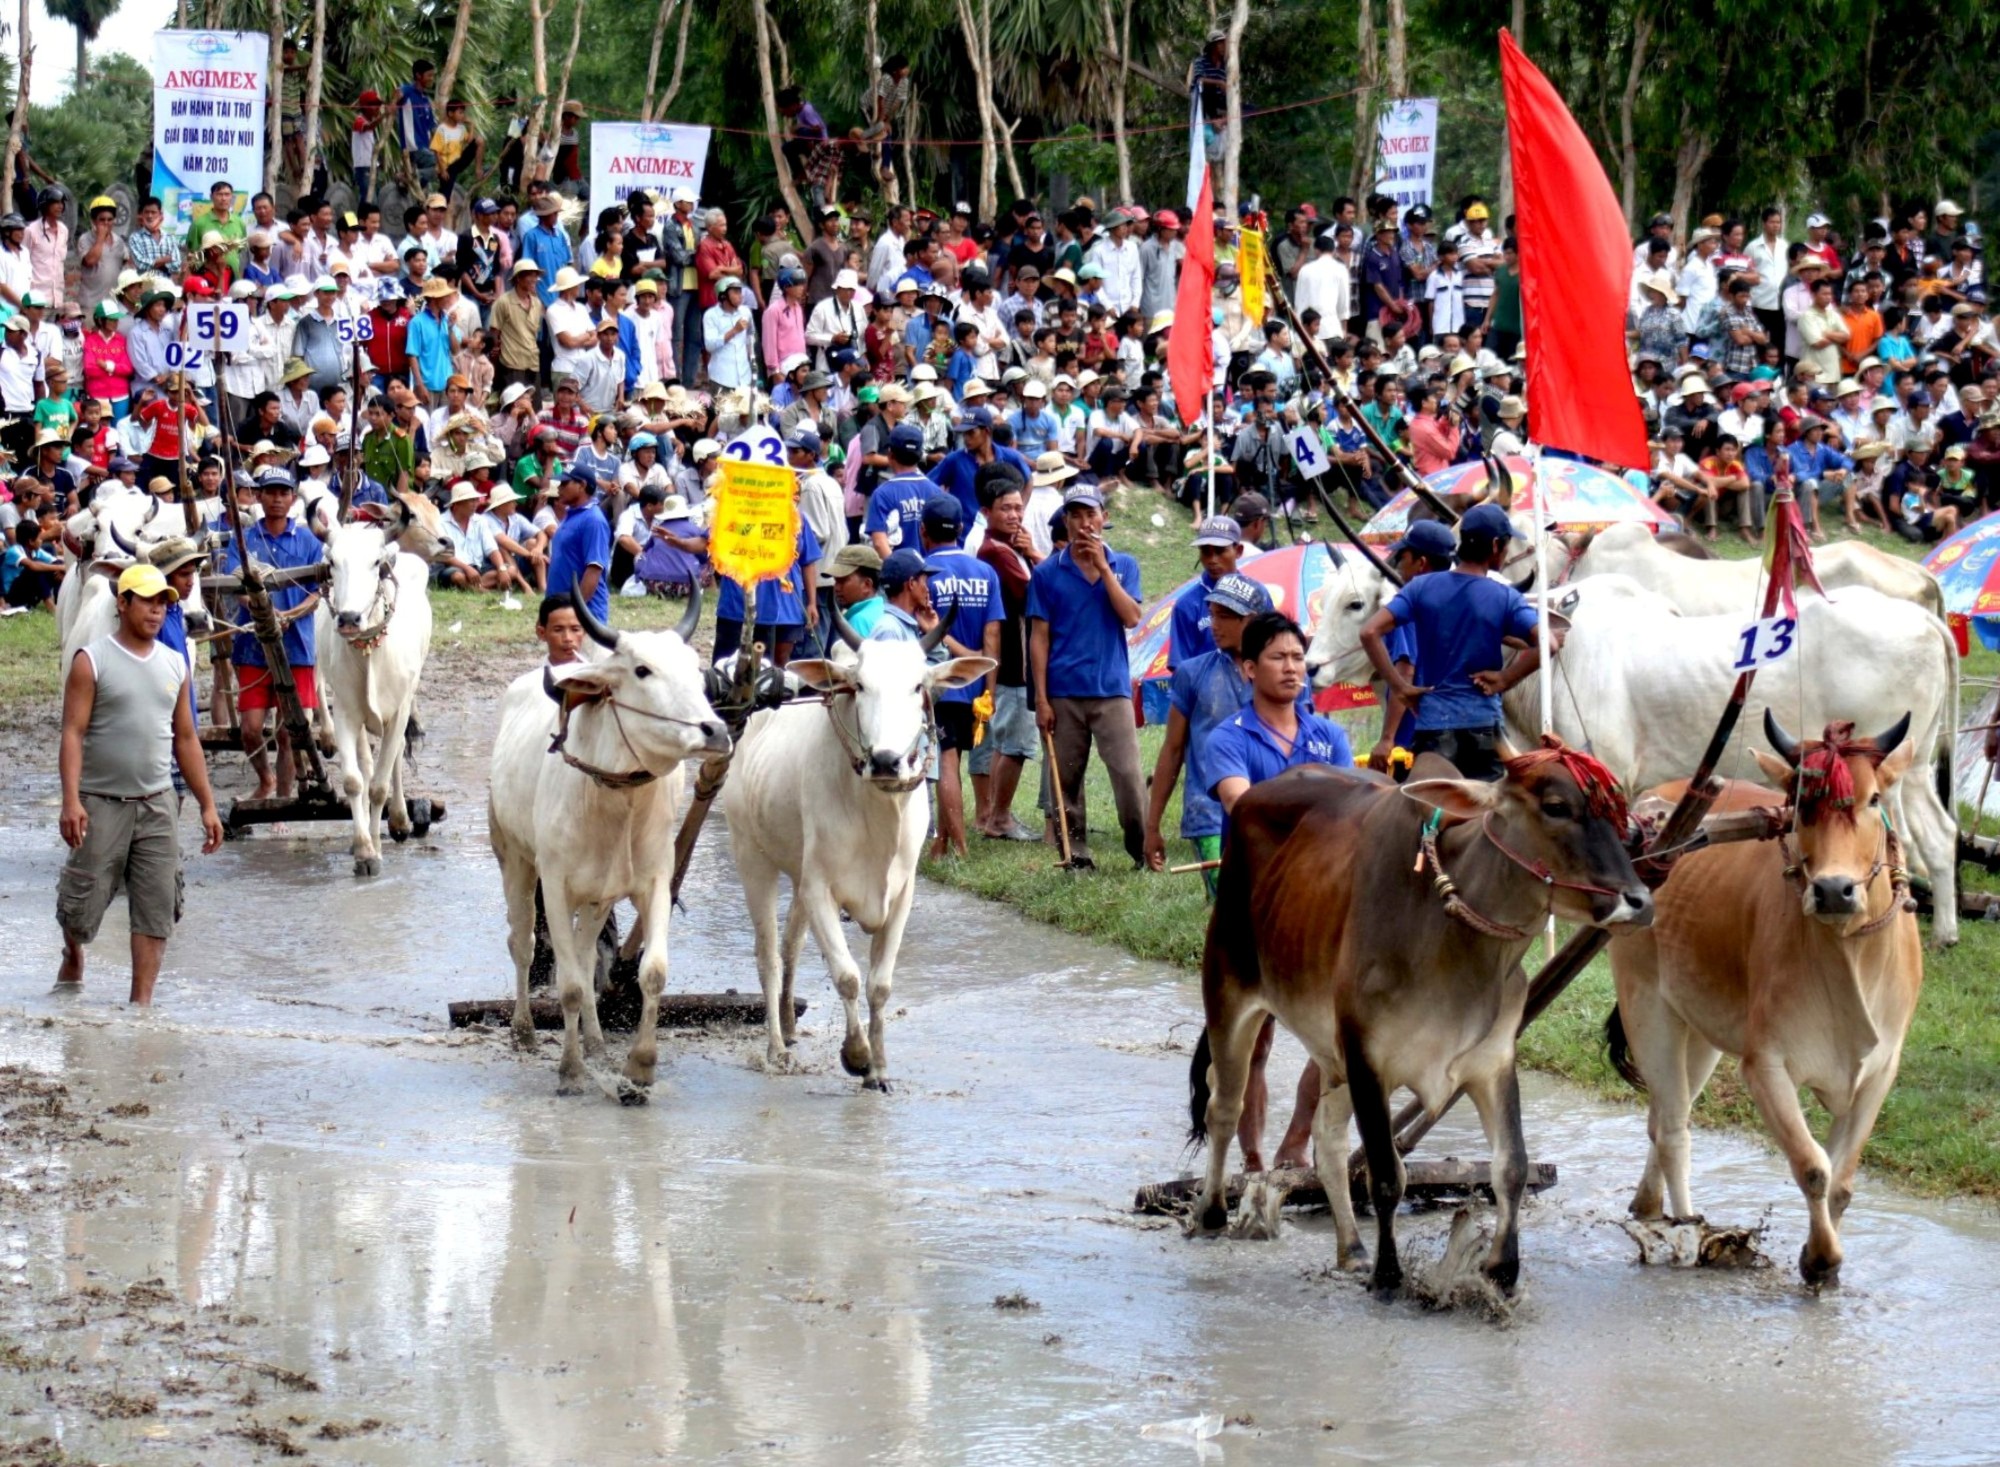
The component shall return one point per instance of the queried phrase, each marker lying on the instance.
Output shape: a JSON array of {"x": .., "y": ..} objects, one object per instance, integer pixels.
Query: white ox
[
  {"x": 1735, "y": 587},
  {"x": 832, "y": 796},
  {"x": 594, "y": 820},
  {"x": 373, "y": 631},
  {"x": 91, "y": 584},
  {"x": 1356, "y": 592},
  {"x": 1641, "y": 686}
]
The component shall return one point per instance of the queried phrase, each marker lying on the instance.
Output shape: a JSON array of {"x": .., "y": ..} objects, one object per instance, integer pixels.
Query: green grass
[
  {"x": 1939, "y": 1132},
  {"x": 29, "y": 676}
]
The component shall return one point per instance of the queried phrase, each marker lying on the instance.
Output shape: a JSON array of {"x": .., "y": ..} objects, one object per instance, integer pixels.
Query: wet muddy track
[{"x": 320, "y": 1185}]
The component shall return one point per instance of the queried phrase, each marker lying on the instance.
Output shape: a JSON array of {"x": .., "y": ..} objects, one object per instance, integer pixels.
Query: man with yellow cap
[{"x": 126, "y": 718}]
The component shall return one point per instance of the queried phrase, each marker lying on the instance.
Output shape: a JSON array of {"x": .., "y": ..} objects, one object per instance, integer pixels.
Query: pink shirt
[
  {"x": 107, "y": 366},
  {"x": 784, "y": 333},
  {"x": 48, "y": 250},
  {"x": 1433, "y": 444}
]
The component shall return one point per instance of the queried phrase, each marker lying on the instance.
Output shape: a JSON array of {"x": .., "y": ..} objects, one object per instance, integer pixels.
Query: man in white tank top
[{"x": 125, "y": 722}]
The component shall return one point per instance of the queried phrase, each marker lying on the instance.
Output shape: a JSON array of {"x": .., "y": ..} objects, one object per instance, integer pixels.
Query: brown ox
[
  {"x": 1390, "y": 977},
  {"x": 1799, "y": 957}
]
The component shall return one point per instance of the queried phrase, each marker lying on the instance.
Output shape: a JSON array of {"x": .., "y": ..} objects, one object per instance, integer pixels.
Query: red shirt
[
  {"x": 388, "y": 348},
  {"x": 713, "y": 259},
  {"x": 166, "y": 426}
]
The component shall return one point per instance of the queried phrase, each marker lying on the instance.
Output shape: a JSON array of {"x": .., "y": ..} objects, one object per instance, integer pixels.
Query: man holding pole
[
  {"x": 125, "y": 716},
  {"x": 281, "y": 543}
]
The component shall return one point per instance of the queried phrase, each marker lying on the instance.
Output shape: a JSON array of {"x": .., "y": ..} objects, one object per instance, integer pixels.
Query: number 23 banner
[{"x": 755, "y": 532}]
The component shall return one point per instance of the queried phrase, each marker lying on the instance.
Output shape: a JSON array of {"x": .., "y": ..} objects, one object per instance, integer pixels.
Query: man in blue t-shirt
[
  {"x": 580, "y": 553},
  {"x": 957, "y": 473},
  {"x": 1462, "y": 619},
  {"x": 966, "y": 591},
  {"x": 1218, "y": 540},
  {"x": 896, "y": 507},
  {"x": 785, "y": 605},
  {"x": 282, "y": 543},
  {"x": 1427, "y": 546},
  {"x": 1081, "y": 602}
]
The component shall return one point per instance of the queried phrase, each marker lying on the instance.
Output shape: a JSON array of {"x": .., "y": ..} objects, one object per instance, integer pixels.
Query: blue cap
[
  {"x": 1218, "y": 531},
  {"x": 804, "y": 436},
  {"x": 1239, "y": 594},
  {"x": 578, "y": 476},
  {"x": 1084, "y": 494},
  {"x": 907, "y": 435},
  {"x": 842, "y": 356},
  {"x": 943, "y": 512},
  {"x": 642, "y": 440},
  {"x": 903, "y": 567},
  {"x": 1427, "y": 537},
  {"x": 486, "y": 206},
  {"x": 1487, "y": 519},
  {"x": 976, "y": 417}
]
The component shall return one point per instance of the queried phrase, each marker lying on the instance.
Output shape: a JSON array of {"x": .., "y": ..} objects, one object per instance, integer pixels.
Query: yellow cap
[{"x": 145, "y": 582}]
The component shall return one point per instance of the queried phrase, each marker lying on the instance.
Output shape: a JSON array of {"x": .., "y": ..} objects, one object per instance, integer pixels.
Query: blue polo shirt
[
  {"x": 295, "y": 545},
  {"x": 1188, "y": 633},
  {"x": 1245, "y": 746},
  {"x": 1459, "y": 620},
  {"x": 956, "y": 472},
  {"x": 174, "y": 634},
  {"x": 895, "y": 625},
  {"x": 1086, "y": 639},
  {"x": 971, "y": 589},
  {"x": 778, "y": 603},
  {"x": 1207, "y": 690},
  {"x": 582, "y": 540},
  {"x": 1402, "y": 645},
  {"x": 896, "y": 508}
]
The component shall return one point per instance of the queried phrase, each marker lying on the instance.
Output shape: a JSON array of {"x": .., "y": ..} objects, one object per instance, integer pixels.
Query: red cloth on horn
[
  {"x": 1190, "y": 345},
  {"x": 1576, "y": 271}
]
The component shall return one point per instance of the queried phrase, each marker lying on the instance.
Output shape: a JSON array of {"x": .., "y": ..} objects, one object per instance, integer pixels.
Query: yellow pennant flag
[
  {"x": 1250, "y": 274},
  {"x": 756, "y": 525}
]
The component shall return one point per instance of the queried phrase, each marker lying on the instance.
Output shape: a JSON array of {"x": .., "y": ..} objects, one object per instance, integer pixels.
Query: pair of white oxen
[
  {"x": 584, "y": 799},
  {"x": 1649, "y": 662},
  {"x": 372, "y": 630}
]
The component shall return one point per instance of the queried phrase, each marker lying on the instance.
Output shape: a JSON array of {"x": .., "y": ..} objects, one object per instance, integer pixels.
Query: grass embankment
[{"x": 1939, "y": 1132}]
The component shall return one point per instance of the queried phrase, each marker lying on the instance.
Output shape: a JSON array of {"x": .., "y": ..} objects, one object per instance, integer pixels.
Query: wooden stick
[
  {"x": 1192, "y": 866},
  {"x": 1055, "y": 783}
]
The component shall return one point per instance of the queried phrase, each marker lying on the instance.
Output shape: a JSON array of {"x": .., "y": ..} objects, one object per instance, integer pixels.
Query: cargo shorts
[{"x": 130, "y": 845}]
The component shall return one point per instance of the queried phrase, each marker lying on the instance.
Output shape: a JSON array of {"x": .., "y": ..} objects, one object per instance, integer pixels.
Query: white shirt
[
  {"x": 1696, "y": 283},
  {"x": 16, "y": 273},
  {"x": 1767, "y": 258},
  {"x": 1120, "y": 264},
  {"x": 885, "y": 265},
  {"x": 728, "y": 361},
  {"x": 1324, "y": 285},
  {"x": 18, "y": 371},
  {"x": 569, "y": 318},
  {"x": 254, "y": 366},
  {"x": 646, "y": 334},
  {"x": 1446, "y": 292},
  {"x": 985, "y": 361},
  {"x": 1478, "y": 288},
  {"x": 830, "y": 319}
]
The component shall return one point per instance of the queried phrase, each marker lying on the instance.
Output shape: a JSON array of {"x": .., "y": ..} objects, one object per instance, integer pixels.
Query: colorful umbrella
[
  {"x": 1579, "y": 496},
  {"x": 1296, "y": 577},
  {"x": 1967, "y": 567}
]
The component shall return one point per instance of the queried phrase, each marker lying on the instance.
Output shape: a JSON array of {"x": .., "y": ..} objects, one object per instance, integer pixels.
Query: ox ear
[
  {"x": 1458, "y": 799},
  {"x": 591, "y": 679},
  {"x": 959, "y": 671},
  {"x": 1895, "y": 764},
  {"x": 819, "y": 674},
  {"x": 1778, "y": 771}
]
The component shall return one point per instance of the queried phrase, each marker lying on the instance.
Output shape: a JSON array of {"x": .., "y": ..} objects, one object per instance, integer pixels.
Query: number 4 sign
[
  {"x": 1308, "y": 453},
  {"x": 1764, "y": 642}
]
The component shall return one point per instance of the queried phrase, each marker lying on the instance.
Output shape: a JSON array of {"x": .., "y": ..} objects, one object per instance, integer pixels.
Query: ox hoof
[
  {"x": 1818, "y": 1273},
  {"x": 1206, "y": 1219},
  {"x": 1504, "y": 1276},
  {"x": 854, "y": 1055},
  {"x": 630, "y": 1092},
  {"x": 1386, "y": 1283},
  {"x": 1356, "y": 1261},
  {"x": 525, "y": 1038},
  {"x": 569, "y": 1087},
  {"x": 780, "y": 1062},
  {"x": 367, "y": 865},
  {"x": 399, "y": 836},
  {"x": 878, "y": 1083}
]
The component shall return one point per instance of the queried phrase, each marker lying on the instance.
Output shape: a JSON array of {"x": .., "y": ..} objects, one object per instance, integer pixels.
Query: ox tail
[
  {"x": 1947, "y": 739},
  {"x": 1620, "y": 1050},
  {"x": 1198, "y": 1092}
]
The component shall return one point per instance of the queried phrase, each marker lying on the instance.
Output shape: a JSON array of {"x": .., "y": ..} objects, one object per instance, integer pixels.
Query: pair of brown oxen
[{"x": 1799, "y": 956}]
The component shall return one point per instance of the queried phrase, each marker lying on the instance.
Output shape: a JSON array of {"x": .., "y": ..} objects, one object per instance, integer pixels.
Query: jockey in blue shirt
[{"x": 1219, "y": 541}]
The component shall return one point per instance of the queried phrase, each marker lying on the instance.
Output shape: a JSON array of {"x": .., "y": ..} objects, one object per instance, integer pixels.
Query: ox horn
[
  {"x": 596, "y": 630},
  {"x": 684, "y": 629},
  {"x": 1784, "y": 743},
  {"x": 934, "y": 638},
  {"x": 121, "y": 542},
  {"x": 549, "y": 684},
  {"x": 151, "y": 510},
  {"x": 1889, "y": 738},
  {"x": 844, "y": 631}
]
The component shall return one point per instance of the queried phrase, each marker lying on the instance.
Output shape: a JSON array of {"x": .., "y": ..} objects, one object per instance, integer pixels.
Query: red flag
[
  {"x": 1190, "y": 345},
  {"x": 1576, "y": 271}
]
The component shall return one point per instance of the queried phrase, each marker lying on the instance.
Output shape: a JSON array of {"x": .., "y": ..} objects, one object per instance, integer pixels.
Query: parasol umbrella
[
  {"x": 1967, "y": 567},
  {"x": 1296, "y": 578},
  {"x": 1578, "y": 496}
]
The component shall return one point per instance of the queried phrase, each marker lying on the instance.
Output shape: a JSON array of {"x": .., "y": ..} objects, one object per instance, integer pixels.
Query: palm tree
[{"x": 88, "y": 17}]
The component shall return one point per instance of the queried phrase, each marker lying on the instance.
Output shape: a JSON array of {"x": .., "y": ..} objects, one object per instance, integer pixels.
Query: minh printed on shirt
[
  {"x": 650, "y": 157},
  {"x": 210, "y": 102}
]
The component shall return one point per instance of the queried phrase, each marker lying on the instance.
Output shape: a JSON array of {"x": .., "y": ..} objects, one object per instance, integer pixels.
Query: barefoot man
[{"x": 125, "y": 717}]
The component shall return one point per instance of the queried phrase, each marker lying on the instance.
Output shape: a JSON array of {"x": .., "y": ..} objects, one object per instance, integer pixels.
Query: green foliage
[
  {"x": 93, "y": 136},
  {"x": 1086, "y": 160}
]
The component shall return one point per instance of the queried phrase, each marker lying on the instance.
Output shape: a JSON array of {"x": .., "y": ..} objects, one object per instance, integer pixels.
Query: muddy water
[{"x": 788, "y": 1269}]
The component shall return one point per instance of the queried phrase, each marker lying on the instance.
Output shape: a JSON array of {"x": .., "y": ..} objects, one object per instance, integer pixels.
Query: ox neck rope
[
  {"x": 857, "y": 757},
  {"x": 385, "y": 597},
  {"x": 609, "y": 779},
  {"x": 1891, "y": 859},
  {"x": 1456, "y": 906}
]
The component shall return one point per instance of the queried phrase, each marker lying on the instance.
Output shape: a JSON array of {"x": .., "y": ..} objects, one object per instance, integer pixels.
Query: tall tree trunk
[
  {"x": 1398, "y": 52},
  {"x": 1232, "y": 152},
  {"x": 1368, "y": 69},
  {"x": 569, "y": 65},
  {"x": 1689, "y": 159},
  {"x": 1119, "y": 43},
  {"x": 82, "y": 60},
  {"x": 1520, "y": 29},
  {"x": 1007, "y": 154},
  {"x": 773, "y": 132},
  {"x": 680, "y": 60},
  {"x": 274, "y": 138},
  {"x": 19, "y": 123},
  {"x": 180, "y": 14},
  {"x": 455, "y": 53},
  {"x": 653, "y": 57},
  {"x": 316, "y": 84},
  {"x": 784, "y": 55},
  {"x": 538, "y": 40},
  {"x": 1628, "y": 146},
  {"x": 982, "y": 96},
  {"x": 909, "y": 150}
]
